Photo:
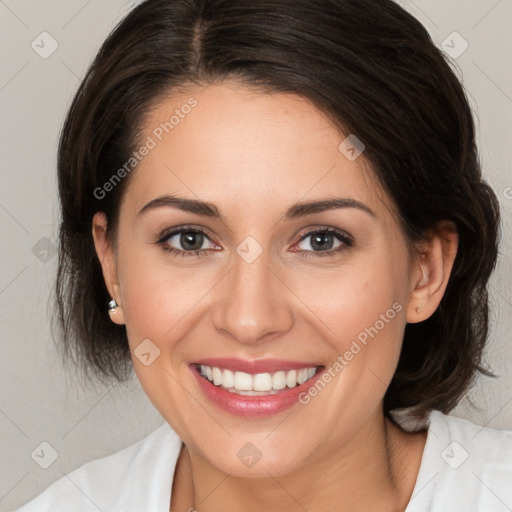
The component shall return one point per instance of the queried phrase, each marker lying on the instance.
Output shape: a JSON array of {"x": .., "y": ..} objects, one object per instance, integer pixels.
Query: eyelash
[{"x": 342, "y": 237}]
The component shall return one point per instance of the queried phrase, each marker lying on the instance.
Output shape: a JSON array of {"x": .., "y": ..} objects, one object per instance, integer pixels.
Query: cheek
[
  {"x": 160, "y": 304},
  {"x": 156, "y": 302},
  {"x": 360, "y": 311},
  {"x": 153, "y": 298},
  {"x": 353, "y": 299}
]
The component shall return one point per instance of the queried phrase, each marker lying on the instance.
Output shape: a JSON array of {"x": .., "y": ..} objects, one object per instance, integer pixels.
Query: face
[{"x": 256, "y": 290}]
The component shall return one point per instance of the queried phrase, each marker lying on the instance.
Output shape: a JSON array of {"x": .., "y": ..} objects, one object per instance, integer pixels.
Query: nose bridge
[{"x": 252, "y": 302}]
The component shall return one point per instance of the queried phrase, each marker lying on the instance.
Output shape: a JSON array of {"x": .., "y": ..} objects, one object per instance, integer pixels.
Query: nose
[{"x": 251, "y": 305}]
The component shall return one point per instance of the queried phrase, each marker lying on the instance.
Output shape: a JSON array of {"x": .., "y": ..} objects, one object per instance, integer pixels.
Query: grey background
[{"x": 40, "y": 401}]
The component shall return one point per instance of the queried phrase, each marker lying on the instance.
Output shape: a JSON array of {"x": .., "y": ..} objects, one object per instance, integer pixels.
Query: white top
[{"x": 464, "y": 467}]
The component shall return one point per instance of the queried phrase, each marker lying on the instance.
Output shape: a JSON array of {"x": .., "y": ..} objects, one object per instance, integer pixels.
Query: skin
[{"x": 253, "y": 155}]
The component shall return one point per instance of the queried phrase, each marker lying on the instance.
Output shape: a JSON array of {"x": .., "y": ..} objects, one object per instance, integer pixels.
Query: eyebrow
[{"x": 295, "y": 211}]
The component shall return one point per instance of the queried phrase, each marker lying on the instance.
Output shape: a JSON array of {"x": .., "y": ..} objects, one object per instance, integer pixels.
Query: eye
[
  {"x": 323, "y": 242},
  {"x": 186, "y": 241},
  {"x": 190, "y": 241}
]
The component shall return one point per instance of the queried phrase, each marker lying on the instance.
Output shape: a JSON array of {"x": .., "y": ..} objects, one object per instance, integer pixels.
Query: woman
[{"x": 281, "y": 204}]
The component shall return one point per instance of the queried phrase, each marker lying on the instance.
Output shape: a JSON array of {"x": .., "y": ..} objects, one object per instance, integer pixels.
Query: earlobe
[
  {"x": 106, "y": 257},
  {"x": 433, "y": 269},
  {"x": 116, "y": 312}
]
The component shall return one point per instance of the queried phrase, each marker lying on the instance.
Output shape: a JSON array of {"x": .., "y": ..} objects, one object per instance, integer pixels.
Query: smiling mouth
[{"x": 259, "y": 384}]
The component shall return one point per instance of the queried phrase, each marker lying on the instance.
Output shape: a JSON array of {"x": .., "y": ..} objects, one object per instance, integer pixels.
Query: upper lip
[{"x": 254, "y": 366}]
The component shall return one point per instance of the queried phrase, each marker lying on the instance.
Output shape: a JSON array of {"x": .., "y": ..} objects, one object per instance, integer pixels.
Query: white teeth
[
  {"x": 279, "y": 380},
  {"x": 243, "y": 381},
  {"x": 258, "y": 384},
  {"x": 228, "y": 379},
  {"x": 217, "y": 376},
  {"x": 291, "y": 378},
  {"x": 302, "y": 376},
  {"x": 262, "y": 382}
]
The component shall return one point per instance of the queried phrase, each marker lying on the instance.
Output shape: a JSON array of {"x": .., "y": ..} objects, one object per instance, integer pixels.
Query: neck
[{"x": 375, "y": 470}]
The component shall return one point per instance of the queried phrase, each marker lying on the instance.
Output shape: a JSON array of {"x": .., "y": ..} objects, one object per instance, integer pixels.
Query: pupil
[
  {"x": 322, "y": 241},
  {"x": 191, "y": 241}
]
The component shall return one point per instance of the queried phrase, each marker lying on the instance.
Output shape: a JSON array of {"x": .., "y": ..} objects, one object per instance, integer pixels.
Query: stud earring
[{"x": 112, "y": 306}]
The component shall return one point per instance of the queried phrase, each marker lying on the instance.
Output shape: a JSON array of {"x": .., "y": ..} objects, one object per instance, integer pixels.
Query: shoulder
[
  {"x": 131, "y": 479},
  {"x": 464, "y": 467},
  {"x": 483, "y": 444}
]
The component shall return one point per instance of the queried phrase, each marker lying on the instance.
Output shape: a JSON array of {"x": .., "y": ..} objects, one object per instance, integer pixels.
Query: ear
[
  {"x": 432, "y": 271},
  {"x": 106, "y": 255}
]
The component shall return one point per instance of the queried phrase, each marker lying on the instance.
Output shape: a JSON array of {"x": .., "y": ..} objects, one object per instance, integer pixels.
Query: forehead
[{"x": 230, "y": 144}]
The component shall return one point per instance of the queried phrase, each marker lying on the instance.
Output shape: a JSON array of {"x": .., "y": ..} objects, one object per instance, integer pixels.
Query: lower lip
[{"x": 253, "y": 406}]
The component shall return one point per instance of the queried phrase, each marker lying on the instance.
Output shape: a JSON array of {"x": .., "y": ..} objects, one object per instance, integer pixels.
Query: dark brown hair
[{"x": 368, "y": 65}]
